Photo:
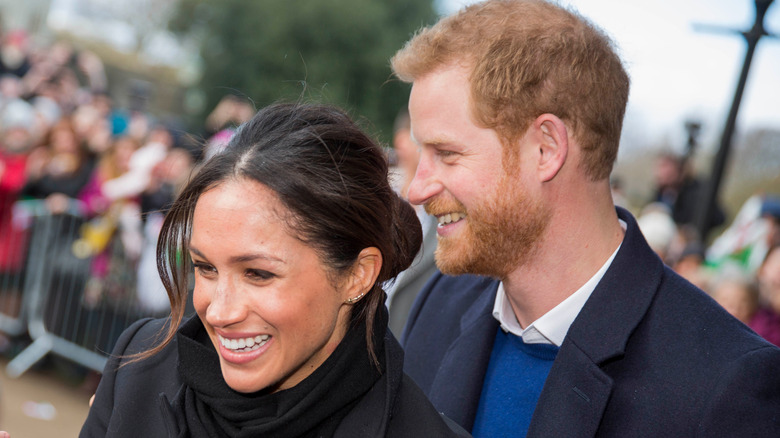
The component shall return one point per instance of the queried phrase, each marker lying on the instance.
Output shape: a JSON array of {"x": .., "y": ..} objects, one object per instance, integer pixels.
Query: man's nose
[{"x": 425, "y": 183}]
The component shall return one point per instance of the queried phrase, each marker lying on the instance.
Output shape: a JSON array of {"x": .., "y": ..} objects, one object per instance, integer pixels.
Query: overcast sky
[{"x": 679, "y": 73}]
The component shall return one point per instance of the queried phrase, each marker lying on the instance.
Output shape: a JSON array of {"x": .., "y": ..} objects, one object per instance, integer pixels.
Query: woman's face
[
  {"x": 123, "y": 151},
  {"x": 265, "y": 298},
  {"x": 63, "y": 141}
]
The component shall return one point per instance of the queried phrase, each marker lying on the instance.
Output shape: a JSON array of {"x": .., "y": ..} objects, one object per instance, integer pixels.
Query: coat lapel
[
  {"x": 573, "y": 399},
  {"x": 458, "y": 385},
  {"x": 577, "y": 390}
]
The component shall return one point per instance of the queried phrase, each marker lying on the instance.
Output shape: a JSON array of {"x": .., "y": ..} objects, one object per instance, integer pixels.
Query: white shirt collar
[{"x": 550, "y": 328}]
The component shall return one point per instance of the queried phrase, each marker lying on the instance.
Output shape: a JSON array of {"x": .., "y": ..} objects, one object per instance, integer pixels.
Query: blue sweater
[{"x": 513, "y": 383}]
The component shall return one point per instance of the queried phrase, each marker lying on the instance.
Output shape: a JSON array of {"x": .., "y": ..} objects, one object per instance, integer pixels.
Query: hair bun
[{"x": 407, "y": 233}]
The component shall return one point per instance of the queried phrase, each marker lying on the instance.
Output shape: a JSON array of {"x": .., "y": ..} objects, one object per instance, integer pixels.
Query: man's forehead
[{"x": 437, "y": 100}]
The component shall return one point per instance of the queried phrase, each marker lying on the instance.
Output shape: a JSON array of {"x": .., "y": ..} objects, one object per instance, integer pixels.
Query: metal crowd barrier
[
  {"x": 66, "y": 310},
  {"x": 13, "y": 257}
]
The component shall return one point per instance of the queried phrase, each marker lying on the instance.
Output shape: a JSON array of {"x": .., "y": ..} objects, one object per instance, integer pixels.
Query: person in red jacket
[{"x": 16, "y": 123}]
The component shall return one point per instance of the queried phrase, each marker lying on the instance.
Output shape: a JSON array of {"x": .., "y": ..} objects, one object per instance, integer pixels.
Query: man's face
[
  {"x": 16, "y": 140},
  {"x": 488, "y": 220}
]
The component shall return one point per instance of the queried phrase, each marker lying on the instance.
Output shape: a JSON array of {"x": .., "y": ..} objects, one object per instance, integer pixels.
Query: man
[
  {"x": 572, "y": 326},
  {"x": 402, "y": 292},
  {"x": 680, "y": 190}
]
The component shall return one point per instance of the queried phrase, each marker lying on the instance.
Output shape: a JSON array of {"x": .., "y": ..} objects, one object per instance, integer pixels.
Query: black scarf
[{"x": 207, "y": 407}]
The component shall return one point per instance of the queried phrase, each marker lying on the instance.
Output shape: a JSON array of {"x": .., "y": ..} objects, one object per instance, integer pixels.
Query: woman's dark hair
[{"x": 333, "y": 180}]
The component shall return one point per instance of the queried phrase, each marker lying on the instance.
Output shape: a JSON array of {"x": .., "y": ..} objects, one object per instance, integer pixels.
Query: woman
[
  {"x": 291, "y": 232},
  {"x": 60, "y": 169}
]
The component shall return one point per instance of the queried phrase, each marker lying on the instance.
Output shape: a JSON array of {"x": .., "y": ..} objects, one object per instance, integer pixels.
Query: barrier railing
[
  {"x": 13, "y": 257},
  {"x": 67, "y": 310}
]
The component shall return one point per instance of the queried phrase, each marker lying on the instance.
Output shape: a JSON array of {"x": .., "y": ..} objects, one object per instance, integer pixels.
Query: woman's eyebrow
[{"x": 243, "y": 257}]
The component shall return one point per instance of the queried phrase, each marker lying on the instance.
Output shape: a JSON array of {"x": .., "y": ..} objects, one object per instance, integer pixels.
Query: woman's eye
[
  {"x": 259, "y": 274},
  {"x": 204, "y": 268}
]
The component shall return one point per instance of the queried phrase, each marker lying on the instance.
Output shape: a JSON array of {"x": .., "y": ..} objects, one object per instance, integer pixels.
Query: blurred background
[
  {"x": 178, "y": 58},
  {"x": 108, "y": 106}
]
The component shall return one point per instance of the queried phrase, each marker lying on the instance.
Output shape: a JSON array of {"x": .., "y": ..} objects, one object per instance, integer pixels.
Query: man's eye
[{"x": 447, "y": 155}]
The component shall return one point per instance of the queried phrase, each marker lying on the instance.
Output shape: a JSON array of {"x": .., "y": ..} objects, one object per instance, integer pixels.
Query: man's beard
[{"x": 499, "y": 235}]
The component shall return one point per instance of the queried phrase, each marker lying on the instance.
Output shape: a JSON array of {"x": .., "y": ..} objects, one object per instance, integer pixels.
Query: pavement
[{"x": 50, "y": 400}]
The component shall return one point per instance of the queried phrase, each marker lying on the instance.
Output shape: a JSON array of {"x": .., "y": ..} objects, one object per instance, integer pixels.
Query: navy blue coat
[{"x": 648, "y": 355}]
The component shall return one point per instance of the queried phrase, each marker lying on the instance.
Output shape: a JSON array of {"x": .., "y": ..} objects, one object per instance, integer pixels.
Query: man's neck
[{"x": 569, "y": 254}]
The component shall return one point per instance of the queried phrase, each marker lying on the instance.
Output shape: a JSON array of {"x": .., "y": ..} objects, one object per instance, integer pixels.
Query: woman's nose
[{"x": 225, "y": 306}]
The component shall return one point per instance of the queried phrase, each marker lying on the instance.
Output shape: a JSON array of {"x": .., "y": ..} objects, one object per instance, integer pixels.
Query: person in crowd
[
  {"x": 690, "y": 265},
  {"x": 168, "y": 179},
  {"x": 404, "y": 289},
  {"x": 737, "y": 294},
  {"x": 103, "y": 236},
  {"x": 15, "y": 53},
  {"x": 16, "y": 138},
  {"x": 11, "y": 88},
  {"x": 60, "y": 169},
  {"x": 291, "y": 231},
  {"x": 114, "y": 163},
  {"x": 56, "y": 174},
  {"x": 142, "y": 163},
  {"x": 94, "y": 122},
  {"x": 65, "y": 75},
  {"x": 766, "y": 321},
  {"x": 656, "y": 224},
  {"x": 221, "y": 123},
  {"x": 551, "y": 315},
  {"x": 770, "y": 213},
  {"x": 681, "y": 191}
]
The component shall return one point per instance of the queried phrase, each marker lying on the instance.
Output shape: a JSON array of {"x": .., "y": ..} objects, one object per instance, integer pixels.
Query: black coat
[
  {"x": 131, "y": 400},
  {"x": 648, "y": 355}
]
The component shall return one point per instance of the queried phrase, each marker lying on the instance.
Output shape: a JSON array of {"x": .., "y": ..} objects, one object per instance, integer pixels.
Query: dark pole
[
  {"x": 707, "y": 204},
  {"x": 693, "y": 128}
]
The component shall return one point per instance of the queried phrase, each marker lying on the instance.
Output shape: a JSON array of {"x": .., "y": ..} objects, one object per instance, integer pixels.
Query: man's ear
[
  {"x": 552, "y": 138},
  {"x": 364, "y": 274}
]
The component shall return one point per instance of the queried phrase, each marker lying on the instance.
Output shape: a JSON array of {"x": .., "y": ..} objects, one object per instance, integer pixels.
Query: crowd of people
[{"x": 108, "y": 173}]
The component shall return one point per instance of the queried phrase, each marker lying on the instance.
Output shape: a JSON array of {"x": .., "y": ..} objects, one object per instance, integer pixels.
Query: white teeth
[
  {"x": 244, "y": 344},
  {"x": 450, "y": 218}
]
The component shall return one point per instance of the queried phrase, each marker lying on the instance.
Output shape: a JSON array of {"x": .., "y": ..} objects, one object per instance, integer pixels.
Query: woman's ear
[
  {"x": 364, "y": 274},
  {"x": 553, "y": 141}
]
